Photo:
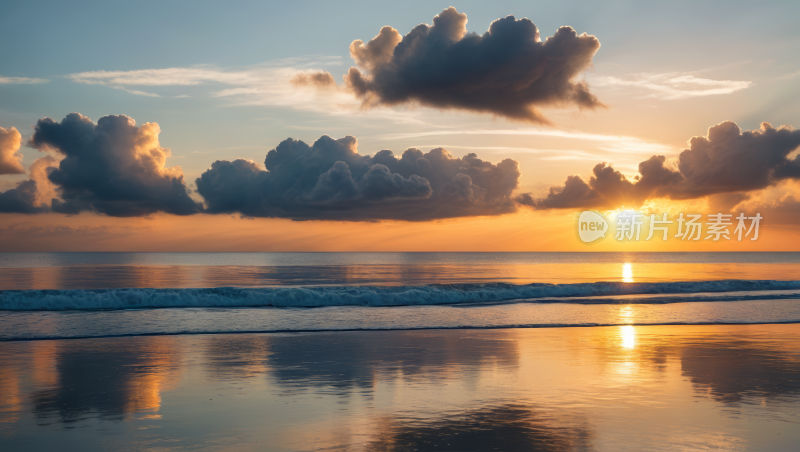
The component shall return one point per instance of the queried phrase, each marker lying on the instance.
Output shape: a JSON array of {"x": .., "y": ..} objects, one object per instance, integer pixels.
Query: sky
[{"x": 163, "y": 119}]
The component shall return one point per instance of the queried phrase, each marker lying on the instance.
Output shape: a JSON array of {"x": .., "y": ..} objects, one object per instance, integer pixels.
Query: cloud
[
  {"x": 21, "y": 199},
  {"x": 21, "y": 81},
  {"x": 51, "y": 230},
  {"x": 330, "y": 180},
  {"x": 270, "y": 84},
  {"x": 672, "y": 86},
  {"x": 139, "y": 92},
  {"x": 789, "y": 76},
  {"x": 40, "y": 173},
  {"x": 123, "y": 80},
  {"x": 611, "y": 143},
  {"x": 32, "y": 195},
  {"x": 508, "y": 71},
  {"x": 322, "y": 80},
  {"x": 574, "y": 194},
  {"x": 169, "y": 77},
  {"x": 778, "y": 204},
  {"x": 117, "y": 168},
  {"x": 10, "y": 158},
  {"x": 726, "y": 160},
  {"x": 113, "y": 167}
]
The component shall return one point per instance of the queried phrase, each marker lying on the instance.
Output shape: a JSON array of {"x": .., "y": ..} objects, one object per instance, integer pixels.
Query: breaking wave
[{"x": 306, "y": 297}]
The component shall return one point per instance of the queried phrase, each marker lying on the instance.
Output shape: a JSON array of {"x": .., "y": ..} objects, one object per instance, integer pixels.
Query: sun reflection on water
[
  {"x": 627, "y": 272},
  {"x": 626, "y": 314},
  {"x": 628, "y": 336}
]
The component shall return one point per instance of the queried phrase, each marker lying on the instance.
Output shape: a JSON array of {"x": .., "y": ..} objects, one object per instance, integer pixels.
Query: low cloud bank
[
  {"x": 118, "y": 169},
  {"x": 21, "y": 199},
  {"x": 330, "y": 180},
  {"x": 113, "y": 167},
  {"x": 726, "y": 160}
]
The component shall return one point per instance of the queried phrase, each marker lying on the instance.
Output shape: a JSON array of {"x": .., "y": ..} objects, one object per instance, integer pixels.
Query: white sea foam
[{"x": 56, "y": 300}]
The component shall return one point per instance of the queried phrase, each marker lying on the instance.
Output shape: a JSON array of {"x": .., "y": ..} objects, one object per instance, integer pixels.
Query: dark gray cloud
[
  {"x": 32, "y": 195},
  {"x": 575, "y": 193},
  {"x": 508, "y": 71},
  {"x": 114, "y": 167},
  {"x": 729, "y": 160},
  {"x": 21, "y": 199},
  {"x": 726, "y": 160},
  {"x": 117, "y": 168},
  {"x": 330, "y": 180}
]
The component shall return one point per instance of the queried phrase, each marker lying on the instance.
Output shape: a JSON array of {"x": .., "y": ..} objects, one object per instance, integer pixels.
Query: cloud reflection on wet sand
[
  {"x": 85, "y": 379},
  {"x": 554, "y": 389}
]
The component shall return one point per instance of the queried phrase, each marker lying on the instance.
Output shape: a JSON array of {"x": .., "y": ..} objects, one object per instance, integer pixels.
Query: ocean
[
  {"x": 400, "y": 351},
  {"x": 62, "y": 295}
]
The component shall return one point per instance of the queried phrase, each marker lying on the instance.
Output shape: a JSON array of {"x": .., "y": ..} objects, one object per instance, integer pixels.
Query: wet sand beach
[{"x": 712, "y": 387}]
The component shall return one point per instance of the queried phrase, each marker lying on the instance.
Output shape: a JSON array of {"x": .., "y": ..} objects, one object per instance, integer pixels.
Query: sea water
[
  {"x": 399, "y": 351},
  {"x": 62, "y": 295}
]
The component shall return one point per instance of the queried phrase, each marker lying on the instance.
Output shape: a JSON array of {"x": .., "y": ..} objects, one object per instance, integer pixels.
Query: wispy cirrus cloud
[
  {"x": 21, "y": 80},
  {"x": 610, "y": 143},
  {"x": 789, "y": 76},
  {"x": 273, "y": 84},
  {"x": 252, "y": 80},
  {"x": 175, "y": 76},
  {"x": 673, "y": 85},
  {"x": 554, "y": 154},
  {"x": 252, "y": 77}
]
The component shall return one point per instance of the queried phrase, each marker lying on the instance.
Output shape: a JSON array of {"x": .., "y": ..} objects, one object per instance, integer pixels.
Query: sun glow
[
  {"x": 628, "y": 337},
  {"x": 626, "y": 314},
  {"x": 627, "y": 273}
]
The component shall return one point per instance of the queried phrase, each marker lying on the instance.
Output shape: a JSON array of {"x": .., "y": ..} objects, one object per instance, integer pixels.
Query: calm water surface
[
  {"x": 23, "y": 271},
  {"x": 727, "y": 388}
]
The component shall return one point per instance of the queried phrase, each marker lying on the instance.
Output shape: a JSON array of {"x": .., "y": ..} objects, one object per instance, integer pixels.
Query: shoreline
[
  {"x": 365, "y": 330},
  {"x": 574, "y": 388}
]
